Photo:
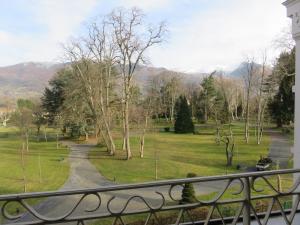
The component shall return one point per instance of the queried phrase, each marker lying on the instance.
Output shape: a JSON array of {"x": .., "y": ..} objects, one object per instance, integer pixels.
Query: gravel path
[
  {"x": 280, "y": 148},
  {"x": 84, "y": 175}
]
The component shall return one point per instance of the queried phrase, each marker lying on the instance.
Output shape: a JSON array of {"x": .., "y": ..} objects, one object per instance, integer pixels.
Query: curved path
[
  {"x": 84, "y": 175},
  {"x": 280, "y": 148}
]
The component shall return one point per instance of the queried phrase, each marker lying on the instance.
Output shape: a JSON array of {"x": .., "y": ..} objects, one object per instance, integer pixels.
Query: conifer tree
[
  {"x": 188, "y": 192},
  {"x": 183, "y": 120},
  {"x": 281, "y": 106}
]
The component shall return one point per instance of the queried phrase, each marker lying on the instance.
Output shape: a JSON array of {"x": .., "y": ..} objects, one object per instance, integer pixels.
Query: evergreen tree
[
  {"x": 183, "y": 120},
  {"x": 282, "y": 105},
  {"x": 53, "y": 97},
  {"x": 188, "y": 192},
  {"x": 208, "y": 95},
  {"x": 220, "y": 108}
]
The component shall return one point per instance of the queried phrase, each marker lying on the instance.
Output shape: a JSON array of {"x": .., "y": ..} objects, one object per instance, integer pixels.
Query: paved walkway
[
  {"x": 84, "y": 175},
  {"x": 280, "y": 148}
]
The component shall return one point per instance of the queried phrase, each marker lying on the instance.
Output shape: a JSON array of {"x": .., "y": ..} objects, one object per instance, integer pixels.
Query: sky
[{"x": 203, "y": 35}]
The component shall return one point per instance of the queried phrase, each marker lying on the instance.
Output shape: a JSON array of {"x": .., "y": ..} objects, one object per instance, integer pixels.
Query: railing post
[{"x": 247, "y": 202}]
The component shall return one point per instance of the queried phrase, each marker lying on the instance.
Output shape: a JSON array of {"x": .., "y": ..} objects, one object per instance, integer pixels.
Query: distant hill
[
  {"x": 26, "y": 79},
  {"x": 241, "y": 70},
  {"x": 144, "y": 74}
]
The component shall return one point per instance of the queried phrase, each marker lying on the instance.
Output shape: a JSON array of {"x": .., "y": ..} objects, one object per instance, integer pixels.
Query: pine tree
[
  {"x": 183, "y": 120},
  {"x": 188, "y": 192},
  {"x": 208, "y": 94}
]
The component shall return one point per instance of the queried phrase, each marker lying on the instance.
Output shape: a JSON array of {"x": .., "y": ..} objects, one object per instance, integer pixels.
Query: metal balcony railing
[{"x": 229, "y": 199}]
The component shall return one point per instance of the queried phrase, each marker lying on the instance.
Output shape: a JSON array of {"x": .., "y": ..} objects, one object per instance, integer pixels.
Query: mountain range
[
  {"x": 29, "y": 79},
  {"x": 25, "y": 79}
]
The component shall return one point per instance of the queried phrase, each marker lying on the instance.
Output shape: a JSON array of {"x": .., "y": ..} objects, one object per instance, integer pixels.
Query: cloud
[
  {"x": 221, "y": 36},
  {"x": 5, "y": 37},
  {"x": 204, "y": 35},
  {"x": 62, "y": 17},
  {"x": 59, "y": 20}
]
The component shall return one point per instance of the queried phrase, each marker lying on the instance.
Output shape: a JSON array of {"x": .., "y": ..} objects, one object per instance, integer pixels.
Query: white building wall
[{"x": 293, "y": 11}]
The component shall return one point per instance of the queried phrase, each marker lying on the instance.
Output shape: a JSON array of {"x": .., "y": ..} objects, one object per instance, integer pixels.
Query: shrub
[
  {"x": 287, "y": 130},
  {"x": 188, "y": 192},
  {"x": 167, "y": 129}
]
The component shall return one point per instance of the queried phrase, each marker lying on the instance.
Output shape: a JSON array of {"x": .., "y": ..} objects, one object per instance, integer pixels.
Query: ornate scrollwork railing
[{"x": 229, "y": 199}]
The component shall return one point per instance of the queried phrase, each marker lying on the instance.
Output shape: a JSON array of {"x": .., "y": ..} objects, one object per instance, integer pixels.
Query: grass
[
  {"x": 178, "y": 154},
  {"x": 54, "y": 166}
]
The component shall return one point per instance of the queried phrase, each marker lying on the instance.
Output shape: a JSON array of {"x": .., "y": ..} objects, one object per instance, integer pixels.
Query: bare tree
[
  {"x": 5, "y": 117},
  {"x": 263, "y": 94},
  {"x": 91, "y": 76},
  {"x": 229, "y": 149},
  {"x": 251, "y": 69},
  {"x": 284, "y": 40},
  {"x": 173, "y": 90},
  {"x": 133, "y": 38},
  {"x": 23, "y": 119},
  {"x": 23, "y": 167}
]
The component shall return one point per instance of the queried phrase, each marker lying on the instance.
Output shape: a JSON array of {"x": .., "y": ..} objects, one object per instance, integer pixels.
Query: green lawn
[
  {"x": 54, "y": 166},
  {"x": 178, "y": 154}
]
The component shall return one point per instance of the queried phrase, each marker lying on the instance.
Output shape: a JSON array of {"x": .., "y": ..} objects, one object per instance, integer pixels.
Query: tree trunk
[
  {"x": 218, "y": 135},
  {"x": 57, "y": 141},
  {"x": 230, "y": 157},
  {"x": 156, "y": 165},
  {"x": 247, "y": 119},
  {"x": 260, "y": 135},
  {"x": 40, "y": 168},
  {"x": 123, "y": 123},
  {"x": 38, "y": 133},
  {"x": 172, "y": 108},
  {"x": 86, "y": 135},
  {"x": 126, "y": 122},
  {"x": 23, "y": 167},
  {"x": 104, "y": 108},
  {"x": 104, "y": 139},
  {"x": 45, "y": 134},
  {"x": 96, "y": 130},
  {"x": 230, "y": 131},
  {"x": 27, "y": 141},
  {"x": 142, "y": 139},
  {"x": 205, "y": 110},
  {"x": 142, "y": 144},
  {"x": 232, "y": 116},
  {"x": 110, "y": 142}
]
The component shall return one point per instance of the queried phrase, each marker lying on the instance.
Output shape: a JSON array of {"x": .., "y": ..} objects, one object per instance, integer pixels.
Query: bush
[
  {"x": 167, "y": 129},
  {"x": 197, "y": 132},
  {"x": 287, "y": 130},
  {"x": 188, "y": 192}
]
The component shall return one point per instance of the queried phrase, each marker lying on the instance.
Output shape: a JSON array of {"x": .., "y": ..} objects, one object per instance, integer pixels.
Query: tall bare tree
[
  {"x": 263, "y": 94},
  {"x": 249, "y": 75},
  {"x": 133, "y": 38},
  {"x": 93, "y": 78}
]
